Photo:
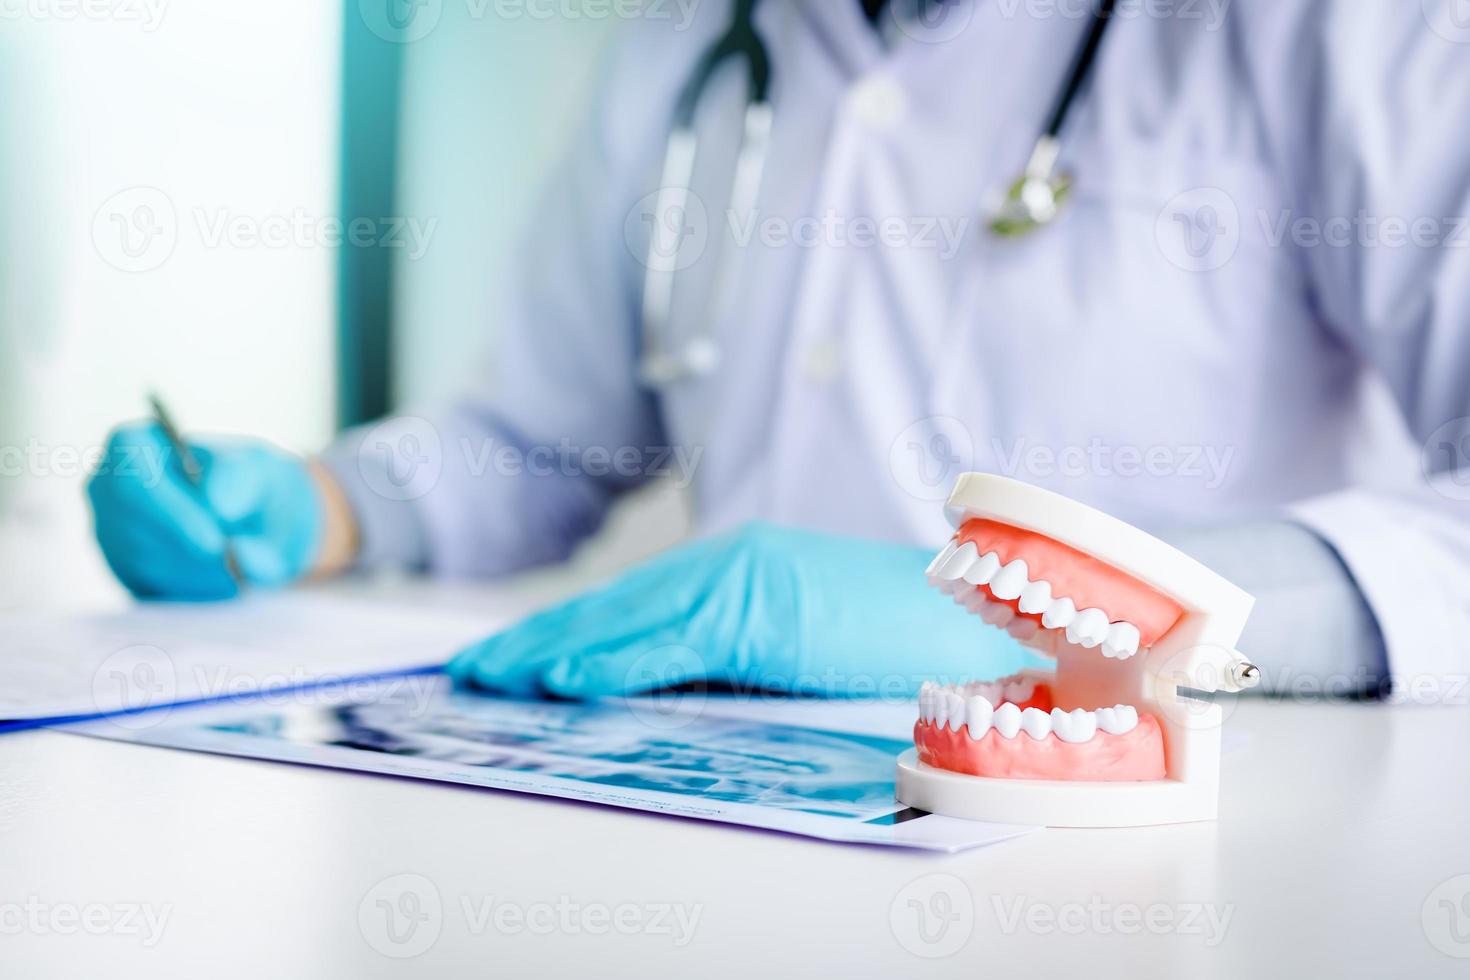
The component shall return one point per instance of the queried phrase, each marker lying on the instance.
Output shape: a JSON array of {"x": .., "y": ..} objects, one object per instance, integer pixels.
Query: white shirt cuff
[{"x": 1413, "y": 567}]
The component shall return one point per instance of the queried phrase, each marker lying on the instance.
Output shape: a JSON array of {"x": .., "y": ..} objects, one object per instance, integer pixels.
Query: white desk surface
[{"x": 1338, "y": 824}]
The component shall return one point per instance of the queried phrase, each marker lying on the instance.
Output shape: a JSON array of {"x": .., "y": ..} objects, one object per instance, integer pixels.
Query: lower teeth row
[{"x": 947, "y": 708}]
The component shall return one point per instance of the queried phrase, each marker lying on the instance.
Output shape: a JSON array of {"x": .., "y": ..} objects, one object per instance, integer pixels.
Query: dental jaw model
[{"x": 1108, "y": 740}]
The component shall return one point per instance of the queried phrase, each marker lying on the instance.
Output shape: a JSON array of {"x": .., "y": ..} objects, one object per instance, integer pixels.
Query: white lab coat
[{"x": 1126, "y": 356}]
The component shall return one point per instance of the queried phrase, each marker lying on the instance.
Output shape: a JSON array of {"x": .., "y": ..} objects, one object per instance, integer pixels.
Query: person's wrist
[{"x": 340, "y": 535}]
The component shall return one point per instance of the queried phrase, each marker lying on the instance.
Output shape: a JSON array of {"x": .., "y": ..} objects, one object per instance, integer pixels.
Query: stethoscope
[{"x": 1031, "y": 202}]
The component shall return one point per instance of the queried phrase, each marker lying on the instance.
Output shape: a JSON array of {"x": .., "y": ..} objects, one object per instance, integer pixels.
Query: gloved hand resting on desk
[
  {"x": 761, "y": 608},
  {"x": 166, "y": 538}
]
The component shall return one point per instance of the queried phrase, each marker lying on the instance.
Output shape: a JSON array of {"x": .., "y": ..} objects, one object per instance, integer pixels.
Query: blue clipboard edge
[{"x": 52, "y": 721}]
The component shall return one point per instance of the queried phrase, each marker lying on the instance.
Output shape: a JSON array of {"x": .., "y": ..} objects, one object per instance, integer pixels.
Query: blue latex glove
[
  {"x": 165, "y": 538},
  {"x": 762, "y": 608}
]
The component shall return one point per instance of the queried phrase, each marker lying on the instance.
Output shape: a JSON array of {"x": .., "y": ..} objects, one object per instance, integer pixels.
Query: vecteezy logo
[
  {"x": 933, "y": 916},
  {"x": 136, "y": 230},
  {"x": 929, "y": 455},
  {"x": 662, "y": 673},
  {"x": 401, "y": 458},
  {"x": 668, "y": 230},
  {"x": 1199, "y": 230},
  {"x": 1445, "y": 460},
  {"x": 133, "y": 679},
  {"x": 400, "y": 21},
  {"x": 1450, "y": 19},
  {"x": 401, "y": 916},
  {"x": 1446, "y": 917},
  {"x": 932, "y": 23}
]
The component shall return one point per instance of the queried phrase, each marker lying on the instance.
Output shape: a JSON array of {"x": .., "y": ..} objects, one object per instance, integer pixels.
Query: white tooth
[
  {"x": 956, "y": 588},
  {"x": 1075, "y": 726},
  {"x": 1035, "y": 597},
  {"x": 973, "y": 600},
  {"x": 1061, "y": 723},
  {"x": 956, "y": 710},
  {"x": 1044, "y": 643},
  {"x": 978, "y": 712},
  {"x": 949, "y": 548},
  {"x": 926, "y": 701},
  {"x": 1059, "y": 614},
  {"x": 1036, "y": 723},
  {"x": 1089, "y": 628},
  {"x": 983, "y": 570},
  {"x": 1009, "y": 581},
  {"x": 1122, "y": 640},
  {"x": 984, "y": 689},
  {"x": 997, "y": 613},
  {"x": 958, "y": 563},
  {"x": 1023, "y": 628},
  {"x": 1117, "y": 720},
  {"x": 1007, "y": 720},
  {"x": 941, "y": 709},
  {"x": 1019, "y": 690}
]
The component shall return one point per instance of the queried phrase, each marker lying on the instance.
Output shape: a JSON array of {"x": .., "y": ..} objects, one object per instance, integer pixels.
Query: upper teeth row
[
  {"x": 1018, "y": 689},
  {"x": 949, "y": 708},
  {"x": 1087, "y": 628}
]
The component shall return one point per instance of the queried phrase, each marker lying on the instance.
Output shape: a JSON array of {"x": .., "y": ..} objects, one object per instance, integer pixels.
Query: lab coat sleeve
[
  {"x": 517, "y": 470},
  {"x": 1372, "y": 139},
  {"x": 1310, "y": 631}
]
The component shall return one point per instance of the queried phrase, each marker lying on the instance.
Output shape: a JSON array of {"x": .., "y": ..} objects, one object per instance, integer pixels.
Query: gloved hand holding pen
[{"x": 166, "y": 537}]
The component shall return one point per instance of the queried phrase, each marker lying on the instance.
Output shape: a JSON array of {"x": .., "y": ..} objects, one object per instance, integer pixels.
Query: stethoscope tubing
[
  {"x": 1081, "y": 70},
  {"x": 660, "y": 363}
]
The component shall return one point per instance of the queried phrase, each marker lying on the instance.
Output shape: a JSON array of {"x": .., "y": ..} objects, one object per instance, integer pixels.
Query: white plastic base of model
[
  {"x": 1197, "y": 652},
  {"x": 1050, "y": 803}
]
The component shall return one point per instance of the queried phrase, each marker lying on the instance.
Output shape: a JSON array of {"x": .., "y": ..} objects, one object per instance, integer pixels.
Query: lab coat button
[
  {"x": 822, "y": 362},
  {"x": 879, "y": 101}
]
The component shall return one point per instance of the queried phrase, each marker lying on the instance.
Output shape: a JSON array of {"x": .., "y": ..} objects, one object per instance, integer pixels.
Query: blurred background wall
[
  {"x": 127, "y": 143},
  {"x": 491, "y": 95},
  {"x": 170, "y": 181},
  {"x": 488, "y": 103}
]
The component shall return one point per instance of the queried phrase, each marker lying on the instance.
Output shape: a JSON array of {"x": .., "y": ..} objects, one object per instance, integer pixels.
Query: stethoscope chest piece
[
  {"x": 1037, "y": 196},
  {"x": 1033, "y": 201}
]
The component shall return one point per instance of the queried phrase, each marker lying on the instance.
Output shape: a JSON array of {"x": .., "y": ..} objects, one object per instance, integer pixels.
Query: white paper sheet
[
  {"x": 677, "y": 756},
  {"x": 64, "y": 666}
]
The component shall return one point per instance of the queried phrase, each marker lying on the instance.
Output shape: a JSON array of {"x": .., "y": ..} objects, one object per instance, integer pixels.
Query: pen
[{"x": 193, "y": 472}]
